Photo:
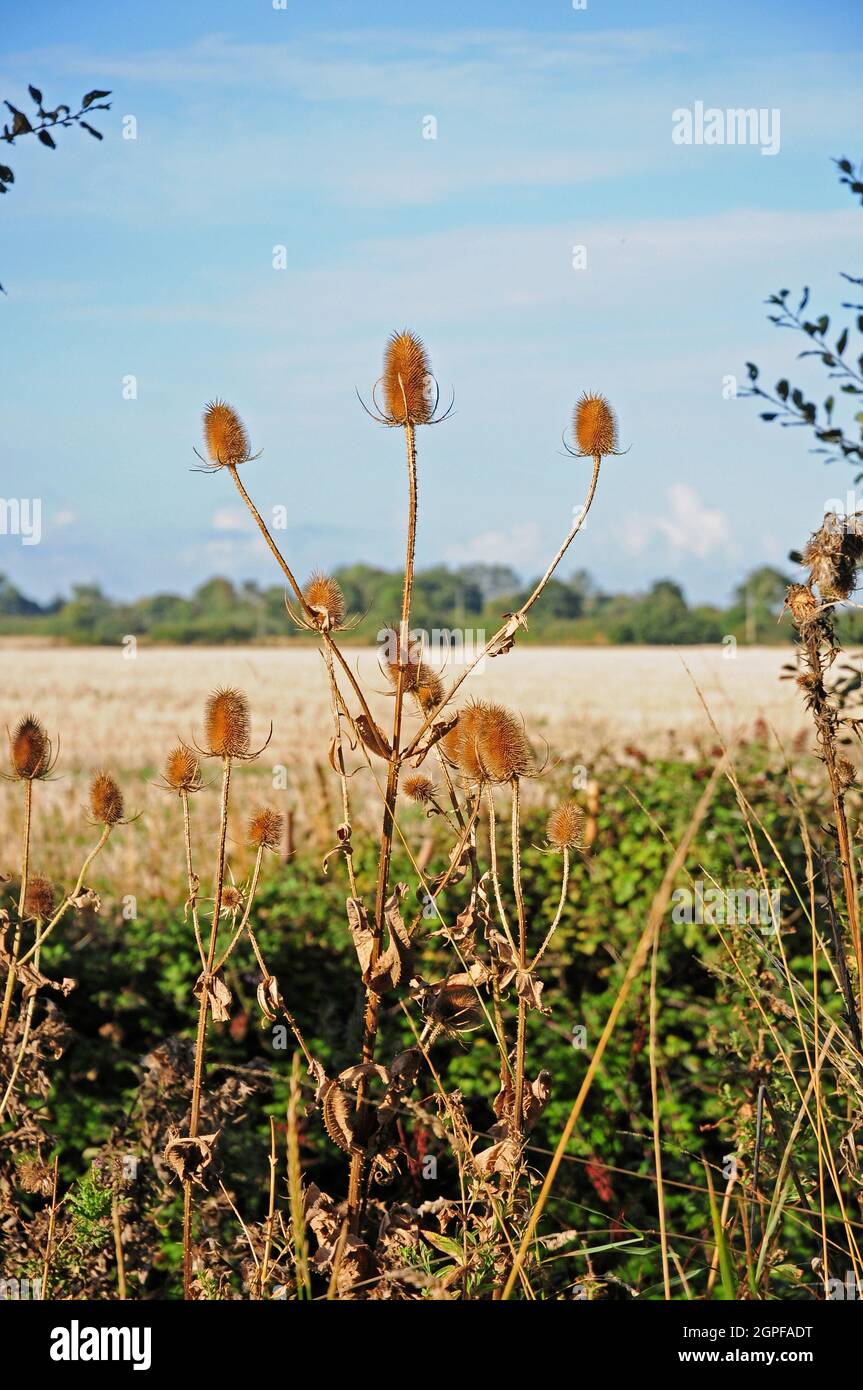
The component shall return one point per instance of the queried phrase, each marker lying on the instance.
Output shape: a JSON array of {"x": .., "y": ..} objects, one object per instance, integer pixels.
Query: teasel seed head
[
  {"x": 182, "y": 770},
  {"x": 106, "y": 799},
  {"x": 29, "y": 749},
  {"x": 419, "y": 680},
  {"x": 406, "y": 380},
  {"x": 226, "y": 724},
  {"x": 266, "y": 829},
  {"x": 456, "y": 1009},
  {"x": 39, "y": 898},
  {"x": 802, "y": 603},
  {"x": 225, "y": 435},
  {"x": 594, "y": 426},
  {"x": 565, "y": 826},
  {"x": 490, "y": 744},
  {"x": 419, "y": 789},
  {"x": 325, "y": 598},
  {"x": 232, "y": 898}
]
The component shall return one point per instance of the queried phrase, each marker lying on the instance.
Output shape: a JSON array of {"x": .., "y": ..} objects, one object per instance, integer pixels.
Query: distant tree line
[{"x": 470, "y": 597}]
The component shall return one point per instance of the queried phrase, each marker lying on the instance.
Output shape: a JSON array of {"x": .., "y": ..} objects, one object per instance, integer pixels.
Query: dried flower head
[
  {"x": 489, "y": 744},
  {"x": 106, "y": 799},
  {"x": 832, "y": 554},
  {"x": 39, "y": 898},
  {"x": 266, "y": 829},
  {"x": 802, "y": 603},
  {"x": 232, "y": 898},
  {"x": 456, "y": 1009},
  {"x": 420, "y": 789},
  {"x": 29, "y": 749},
  {"x": 182, "y": 770},
  {"x": 325, "y": 598},
  {"x": 226, "y": 724},
  {"x": 224, "y": 435},
  {"x": 406, "y": 380},
  {"x": 594, "y": 426},
  {"x": 420, "y": 681},
  {"x": 846, "y": 773},
  {"x": 565, "y": 827}
]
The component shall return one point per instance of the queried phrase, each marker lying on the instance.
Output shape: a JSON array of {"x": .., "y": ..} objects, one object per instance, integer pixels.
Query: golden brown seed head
[
  {"x": 225, "y": 435},
  {"x": 802, "y": 603},
  {"x": 419, "y": 789},
  {"x": 182, "y": 770},
  {"x": 502, "y": 750},
  {"x": 39, "y": 898},
  {"x": 232, "y": 897},
  {"x": 565, "y": 827},
  {"x": 106, "y": 799},
  {"x": 326, "y": 600},
  {"x": 406, "y": 380},
  {"x": 594, "y": 426},
  {"x": 419, "y": 680},
  {"x": 30, "y": 749},
  {"x": 459, "y": 745},
  {"x": 266, "y": 829},
  {"x": 846, "y": 773},
  {"x": 226, "y": 724}
]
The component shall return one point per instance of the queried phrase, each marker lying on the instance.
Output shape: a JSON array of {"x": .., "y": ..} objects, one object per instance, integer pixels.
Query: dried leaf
[
  {"x": 395, "y": 963},
  {"x": 373, "y": 737},
  {"x": 219, "y": 996}
]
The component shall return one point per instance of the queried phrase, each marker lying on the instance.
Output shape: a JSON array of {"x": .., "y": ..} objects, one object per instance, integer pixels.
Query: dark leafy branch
[
  {"x": 45, "y": 124},
  {"x": 836, "y": 439}
]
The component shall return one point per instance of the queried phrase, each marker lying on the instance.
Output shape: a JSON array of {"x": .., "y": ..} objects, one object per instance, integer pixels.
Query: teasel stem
[
  {"x": 337, "y": 703},
  {"x": 518, "y": 1116},
  {"x": 495, "y": 876},
  {"x": 49, "y": 1240},
  {"x": 190, "y": 873},
  {"x": 118, "y": 1246},
  {"x": 280, "y": 560},
  {"x": 827, "y": 742},
  {"x": 16, "y": 939},
  {"x": 264, "y": 1272},
  {"x": 292, "y": 1023},
  {"x": 557, "y": 916},
  {"x": 250, "y": 899},
  {"x": 63, "y": 908},
  {"x": 370, "y": 1021},
  {"x": 203, "y": 1010},
  {"x": 515, "y": 620},
  {"x": 25, "y": 1038}
]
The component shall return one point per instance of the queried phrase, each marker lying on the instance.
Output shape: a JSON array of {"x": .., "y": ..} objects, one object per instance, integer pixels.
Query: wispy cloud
[{"x": 689, "y": 526}]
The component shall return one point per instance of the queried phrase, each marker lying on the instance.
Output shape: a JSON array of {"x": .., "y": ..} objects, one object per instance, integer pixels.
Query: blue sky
[{"x": 302, "y": 127}]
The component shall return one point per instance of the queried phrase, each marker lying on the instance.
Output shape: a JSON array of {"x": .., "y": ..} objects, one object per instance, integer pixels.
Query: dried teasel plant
[
  {"x": 482, "y": 752},
  {"x": 37, "y": 914}
]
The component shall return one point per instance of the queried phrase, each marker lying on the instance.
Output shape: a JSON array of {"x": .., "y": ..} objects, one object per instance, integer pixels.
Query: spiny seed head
[
  {"x": 802, "y": 603},
  {"x": 39, "y": 898},
  {"x": 833, "y": 553},
  {"x": 182, "y": 770},
  {"x": 232, "y": 897},
  {"x": 456, "y": 1009},
  {"x": 594, "y": 426},
  {"x": 226, "y": 724},
  {"x": 490, "y": 744},
  {"x": 106, "y": 799},
  {"x": 846, "y": 773},
  {"x": 419, "y": 789},
  {"x": 419, "y": 680},
  {"x": 406, "y": 380},
  {"x": 225, "y": 435},
  {"x": 30, "y": 749},
  {"x": 565, "y": 827},
  {"x": 266, "y": 828},
  {"x": 459, "y": 745},
  {"x": 326, "y": 600}
]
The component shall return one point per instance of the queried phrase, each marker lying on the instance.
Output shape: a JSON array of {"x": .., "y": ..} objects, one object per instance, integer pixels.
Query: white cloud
[
  {"x": 520, "y": 546},
  {"x": 230, "y": 519},
  {"x": 688, "y": 527}
]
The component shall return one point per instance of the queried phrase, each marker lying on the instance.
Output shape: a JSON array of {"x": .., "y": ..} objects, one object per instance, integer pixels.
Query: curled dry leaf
[
  {"x": 269, "y": 998},
  {"x": 439, "y": 730},
  {"x": 394, "y": 964},
  {"x": 32, "y": 979},
  {"x": 507, "y": 968},
  {"x": 344, "y": 846},
  {"x": 188, "y": 1157},
  {"x": 373, "y": 737},
  {"x": 87, "y": 898},
  {"x": 218, "y": 994},
  {"x": 326, "y": 1220}
]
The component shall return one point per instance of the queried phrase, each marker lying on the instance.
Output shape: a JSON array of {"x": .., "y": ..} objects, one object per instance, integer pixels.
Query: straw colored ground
[{"x": 125, "y": 714}]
